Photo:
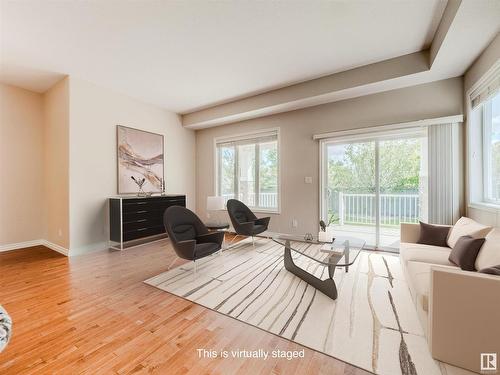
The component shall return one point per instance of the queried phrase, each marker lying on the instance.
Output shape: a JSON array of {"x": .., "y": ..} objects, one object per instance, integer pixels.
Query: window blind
[
  {"x": 246, "y": 140},
  {"x": 443, "y": 205},
  {"x": 487, "y": 89}
]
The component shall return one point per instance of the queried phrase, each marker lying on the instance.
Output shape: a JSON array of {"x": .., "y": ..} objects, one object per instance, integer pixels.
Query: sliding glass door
[
  {"x": 371, "y": 185},
  {"x": 403, "y": 186},
  {"x": 350, "y": 188}
]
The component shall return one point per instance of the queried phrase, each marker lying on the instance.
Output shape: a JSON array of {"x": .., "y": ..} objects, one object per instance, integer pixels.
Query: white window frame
[
  {"x": 477, "y": 187},
  {"x": 247, "y": 136},
  {"x": 486, "y": 154}
]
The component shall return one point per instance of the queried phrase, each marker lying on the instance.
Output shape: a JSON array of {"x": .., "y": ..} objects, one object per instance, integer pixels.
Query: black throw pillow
[
  {"x": 435, "y": 235},
  {"x": 495, "y": 270},
  {"x": 465, "y": 252}
]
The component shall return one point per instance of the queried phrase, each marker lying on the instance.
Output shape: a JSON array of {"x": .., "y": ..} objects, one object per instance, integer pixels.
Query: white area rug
[
  {"x": 5, "y": 328},
  {"x": 372, "y": 324}
]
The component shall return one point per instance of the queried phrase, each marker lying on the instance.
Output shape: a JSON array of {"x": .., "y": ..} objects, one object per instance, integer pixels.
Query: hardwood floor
[{"x": 93, "y": 314}]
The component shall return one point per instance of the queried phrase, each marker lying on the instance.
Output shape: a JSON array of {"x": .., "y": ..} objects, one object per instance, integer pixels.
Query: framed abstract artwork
[{"x": 141, "y": 156}]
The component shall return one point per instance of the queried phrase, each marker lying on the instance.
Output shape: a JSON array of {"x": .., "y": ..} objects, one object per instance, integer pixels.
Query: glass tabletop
[{"x": 342, "y": 252}]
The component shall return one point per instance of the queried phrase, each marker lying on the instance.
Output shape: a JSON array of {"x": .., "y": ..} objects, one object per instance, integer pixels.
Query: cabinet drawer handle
[
  {"x": 140, "y": 221},
  {"x": 141, "y": 202},
  {"x": 141, "y": 212},
  {"x": 140, "y": 229}
]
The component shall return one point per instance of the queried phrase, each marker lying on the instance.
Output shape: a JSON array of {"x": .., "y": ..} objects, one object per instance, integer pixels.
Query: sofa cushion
[
  {"x": 465, "y": 251},
  {"x": 434, "y": 235},
  {"x": 467, "y": 227},
  {"x": 489, "y": 255},
  {"x": 424, "y": 253}
]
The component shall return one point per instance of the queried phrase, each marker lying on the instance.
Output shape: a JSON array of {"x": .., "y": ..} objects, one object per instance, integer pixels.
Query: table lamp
[{"x": 214, "y": 204}]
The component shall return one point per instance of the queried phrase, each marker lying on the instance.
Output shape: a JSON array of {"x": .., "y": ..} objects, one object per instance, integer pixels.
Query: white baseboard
[
  {"x": 26, "y": 244},
  {"x": 87, "y": 249},
  {"x": 20, "y": 245},
  {"x": 55, "y": 247},
  {"x": 99, "y": 246}
]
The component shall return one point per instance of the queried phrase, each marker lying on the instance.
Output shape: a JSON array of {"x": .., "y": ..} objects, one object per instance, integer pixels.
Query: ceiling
[{"x": 188, "y": 55}]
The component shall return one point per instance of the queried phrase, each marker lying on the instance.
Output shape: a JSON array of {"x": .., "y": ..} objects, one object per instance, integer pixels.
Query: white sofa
[{"x": 459, "y": 310}]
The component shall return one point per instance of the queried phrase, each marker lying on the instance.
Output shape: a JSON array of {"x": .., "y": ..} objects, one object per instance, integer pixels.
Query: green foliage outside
[
  {"x": 268, "y": 176},
  {"x": 226, "y": 155},
  {"x": 353, "y": 170}
]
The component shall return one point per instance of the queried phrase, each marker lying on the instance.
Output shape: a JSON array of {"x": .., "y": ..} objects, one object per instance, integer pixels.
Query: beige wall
[
  {"x": 486, "y": 215},
  {"x": 21, "y": 165},
  {"x": 300, "y": 154},
  {"x": 484, "y": 62},
  {"x": 95, "y": 112},
  {"x": 56, "y": 164}
]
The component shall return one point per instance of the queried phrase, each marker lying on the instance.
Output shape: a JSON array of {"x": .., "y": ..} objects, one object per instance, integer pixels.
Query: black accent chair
[
  {"x": 244, "y": 221},
  {"x": 190, "y": 237}
]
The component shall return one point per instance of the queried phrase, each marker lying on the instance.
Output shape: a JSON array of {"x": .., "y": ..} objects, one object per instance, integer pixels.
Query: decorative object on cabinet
[{"x": 139, "y": 183}]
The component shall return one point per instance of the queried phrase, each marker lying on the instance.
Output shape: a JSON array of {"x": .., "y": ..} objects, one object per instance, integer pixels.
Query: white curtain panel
[{"x": 443, "y": 159}]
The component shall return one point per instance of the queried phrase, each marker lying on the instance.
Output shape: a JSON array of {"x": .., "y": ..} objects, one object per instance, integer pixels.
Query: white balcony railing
[
  {"x": 266, "y": 200},
  {"x": 361, "y": 208},
  {"x": 354, "y": 208}
]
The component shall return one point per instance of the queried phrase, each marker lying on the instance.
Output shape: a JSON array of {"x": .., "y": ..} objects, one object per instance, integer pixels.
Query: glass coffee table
[{"x": 342, "y": 252}]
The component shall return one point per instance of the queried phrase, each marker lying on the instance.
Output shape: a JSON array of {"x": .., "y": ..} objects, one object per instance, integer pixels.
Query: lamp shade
[{"x": 215, "y": 203}]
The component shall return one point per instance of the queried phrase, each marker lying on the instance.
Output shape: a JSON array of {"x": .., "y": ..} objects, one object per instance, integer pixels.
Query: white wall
[
  {"x": 94, "y": 114},
  {"x": 299, "y": 153},
  {"x": 21, "y": 166}
]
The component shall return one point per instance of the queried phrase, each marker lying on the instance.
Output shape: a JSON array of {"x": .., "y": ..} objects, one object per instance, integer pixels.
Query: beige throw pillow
[
  {"x": 467, "y": 227},
  {"x": 489, "y": 255}
]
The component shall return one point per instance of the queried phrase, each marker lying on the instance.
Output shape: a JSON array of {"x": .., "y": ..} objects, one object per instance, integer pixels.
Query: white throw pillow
[
  {"x": 467, "y": 227},
  {"x": 489, "y": 255}
]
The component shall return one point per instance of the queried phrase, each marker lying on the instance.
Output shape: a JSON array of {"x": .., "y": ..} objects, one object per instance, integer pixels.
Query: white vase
[{"x": 324, "y": 237}]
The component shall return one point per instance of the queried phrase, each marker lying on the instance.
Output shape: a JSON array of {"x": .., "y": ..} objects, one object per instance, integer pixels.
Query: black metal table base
[{"x": 326, "y": 286}]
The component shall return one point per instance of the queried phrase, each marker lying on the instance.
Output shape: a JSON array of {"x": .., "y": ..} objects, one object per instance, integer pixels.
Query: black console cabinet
[{"x": 134, "y": 218}]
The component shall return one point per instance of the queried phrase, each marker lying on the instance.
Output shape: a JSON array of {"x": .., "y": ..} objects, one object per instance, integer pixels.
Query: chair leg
[
  {"x": 195, "y": 269},
  {"x": 253, "y": 242}
]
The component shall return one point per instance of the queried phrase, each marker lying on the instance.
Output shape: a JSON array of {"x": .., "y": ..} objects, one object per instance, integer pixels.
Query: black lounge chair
[
  {"x": 244, "y": 221},
  {"x": 190, "y": 237}
]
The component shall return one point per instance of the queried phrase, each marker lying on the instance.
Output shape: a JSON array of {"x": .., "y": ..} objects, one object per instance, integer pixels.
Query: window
[
  {"x": 491, "y": 148},
  {"x": 483, "y": 141},
  {"x": 248, "y": 170}
]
